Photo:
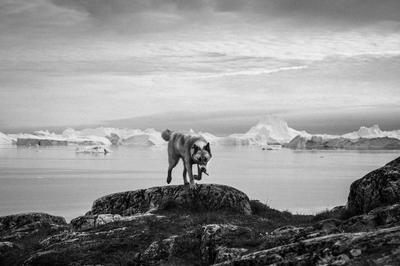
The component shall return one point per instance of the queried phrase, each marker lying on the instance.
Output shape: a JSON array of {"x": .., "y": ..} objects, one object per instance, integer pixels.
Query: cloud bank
[{"x": 83, "y": 62}]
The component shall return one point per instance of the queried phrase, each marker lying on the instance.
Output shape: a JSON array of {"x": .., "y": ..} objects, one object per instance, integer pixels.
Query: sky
[{"x": 325, "y": 66}]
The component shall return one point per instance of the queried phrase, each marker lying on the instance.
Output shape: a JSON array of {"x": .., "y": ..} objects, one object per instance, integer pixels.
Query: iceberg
[
  {"x": 269, "y": 131},
  {"x": 93, "y": 150},
  {"x": 117, "y": 136},
  {"x": 272, "y": 130},
  {"x": 46, "y": 138},
  {"x": 5, "y": 139},
  {"x": 372, "y": 132}
]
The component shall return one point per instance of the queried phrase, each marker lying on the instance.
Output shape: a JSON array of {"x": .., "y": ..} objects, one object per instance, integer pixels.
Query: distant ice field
[{"x": 59, "y": 181}]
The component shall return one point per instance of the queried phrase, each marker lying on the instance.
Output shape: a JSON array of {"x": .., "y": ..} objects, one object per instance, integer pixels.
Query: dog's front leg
[
  {"x": 199, "y": 173},
  {"x": 192, "y": 184}
]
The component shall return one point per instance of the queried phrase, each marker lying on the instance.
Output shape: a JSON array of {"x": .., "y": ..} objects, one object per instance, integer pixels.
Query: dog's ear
[{"x": 207, "y": 147}]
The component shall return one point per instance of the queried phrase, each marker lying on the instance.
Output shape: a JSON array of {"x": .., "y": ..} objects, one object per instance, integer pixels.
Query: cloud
[
  {"x": 62, "y": 58},
  {"x": 352, "y": 10}
]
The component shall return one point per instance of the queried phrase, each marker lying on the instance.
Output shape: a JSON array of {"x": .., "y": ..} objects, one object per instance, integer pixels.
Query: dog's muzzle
[{"x": 203, "y": 168}]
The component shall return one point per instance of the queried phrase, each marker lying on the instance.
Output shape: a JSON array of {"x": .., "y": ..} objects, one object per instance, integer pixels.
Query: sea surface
[{"x": 59, "y": 181}]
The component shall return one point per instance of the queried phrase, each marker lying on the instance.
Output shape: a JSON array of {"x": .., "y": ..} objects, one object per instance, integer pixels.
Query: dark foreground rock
[
  {"x": 20, "y": 234},
  {"x": 378, "y": 188},
  {"x": 25, "y": 224},
  {"x": 214, "y": 225},
  {"x": 380, "y": 247},
  {"x": 208, "y": 197}
]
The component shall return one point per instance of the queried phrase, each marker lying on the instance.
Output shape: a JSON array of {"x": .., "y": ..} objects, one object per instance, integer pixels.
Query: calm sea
[{"x": 59, "y": 181}]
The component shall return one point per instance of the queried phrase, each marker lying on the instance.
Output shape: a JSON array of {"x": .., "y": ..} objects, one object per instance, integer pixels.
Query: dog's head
[{"x": 201, "y": 154}]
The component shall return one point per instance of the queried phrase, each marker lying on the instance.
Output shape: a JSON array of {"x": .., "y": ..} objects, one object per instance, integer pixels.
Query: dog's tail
[{"x": 166, "y": 134}]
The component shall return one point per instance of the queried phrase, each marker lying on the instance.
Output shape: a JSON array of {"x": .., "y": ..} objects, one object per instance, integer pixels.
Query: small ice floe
[
  {"x": 93, "y": 149},
  {"x": 271, "y": 147}
]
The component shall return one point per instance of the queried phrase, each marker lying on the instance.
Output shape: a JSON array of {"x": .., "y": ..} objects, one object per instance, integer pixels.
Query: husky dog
[{"x": 192, "y": 150}]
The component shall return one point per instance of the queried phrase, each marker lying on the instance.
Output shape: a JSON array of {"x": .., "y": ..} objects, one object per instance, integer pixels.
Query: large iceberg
[
  {"x": 269, "y": 130},
  {"x": 272, "y": 130}
]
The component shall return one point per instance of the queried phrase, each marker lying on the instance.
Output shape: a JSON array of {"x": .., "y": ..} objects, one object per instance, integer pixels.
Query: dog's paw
[
  {"x": 197, "y": 177},
  {"x": 169, "y": 179},
  {"x": 193, "y": 186}
]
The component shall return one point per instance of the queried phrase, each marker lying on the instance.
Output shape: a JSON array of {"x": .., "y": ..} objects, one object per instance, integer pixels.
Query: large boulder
[
  {"x": 378, "y": 188},
  {"x": 206, "y": 197}
]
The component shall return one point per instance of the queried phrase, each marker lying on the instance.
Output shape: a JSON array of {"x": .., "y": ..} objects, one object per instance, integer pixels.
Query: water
[{"x": 59, "y": 181}]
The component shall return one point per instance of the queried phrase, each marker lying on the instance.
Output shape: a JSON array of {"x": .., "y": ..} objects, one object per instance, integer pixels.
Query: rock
[
  {"x": 20, "y": 225},
  {"x": 92, "y": 221},
  {"x": 379, "y": 217},
  {"x": 142, "y": 241},
  {"x": 227, "y": 254},
  {"x": 207, "y": 197},
  {"x": 355, "y": 252},
  {"x": 287, "y": 231},
  {"x": 21, "y": 233},
  {"x": 5, "y": 246},
  {"x": 378, "y": 188},
  {"x": 336, "y": 249},
  {"x": 173, "y": 249},
  {"x": 218, "y": 242},
  {"x": 328, "y": 226}
]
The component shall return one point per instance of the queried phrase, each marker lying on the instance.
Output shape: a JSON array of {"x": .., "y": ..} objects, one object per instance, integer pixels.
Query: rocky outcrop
[
  {"x": 320, "y": 143},
  {"x": 206, "y": 197},
  {"x": 233, "y": 240},
  {"x": 378, "y": 188},
  {"x": 213, "y": 225}
]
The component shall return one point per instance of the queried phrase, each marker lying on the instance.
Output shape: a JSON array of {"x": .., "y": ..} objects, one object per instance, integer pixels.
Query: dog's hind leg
[
  {"x": 184, "y": 175},
  {"x": 173, "y": 161}
]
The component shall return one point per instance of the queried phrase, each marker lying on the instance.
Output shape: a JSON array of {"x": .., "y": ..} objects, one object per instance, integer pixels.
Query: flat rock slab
[
  {"x": 92, "y": 221},
  {"x": 206, "y": 197}
]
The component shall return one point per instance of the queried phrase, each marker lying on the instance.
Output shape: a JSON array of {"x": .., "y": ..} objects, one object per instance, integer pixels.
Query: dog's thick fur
[{"x": 192, "y": 150}]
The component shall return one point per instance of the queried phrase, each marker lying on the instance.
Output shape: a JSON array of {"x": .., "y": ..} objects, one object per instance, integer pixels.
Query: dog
[{"x": 192, "y": 150}]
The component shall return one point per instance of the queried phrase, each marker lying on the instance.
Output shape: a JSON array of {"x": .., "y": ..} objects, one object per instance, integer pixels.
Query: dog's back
[{"x": 179, "y": 144}]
